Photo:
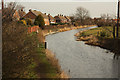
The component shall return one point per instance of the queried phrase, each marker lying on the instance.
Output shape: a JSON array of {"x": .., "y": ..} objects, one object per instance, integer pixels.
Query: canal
[{"x": 79, "y": 60}]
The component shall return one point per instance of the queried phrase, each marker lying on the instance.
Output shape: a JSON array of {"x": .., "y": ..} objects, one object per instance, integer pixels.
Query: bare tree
[
  {"x": 9, "y": 10},
  {"x": 106, "y": 16},
  {"x": 82, "y": 14},
  {"x": 17, "y": 45}
]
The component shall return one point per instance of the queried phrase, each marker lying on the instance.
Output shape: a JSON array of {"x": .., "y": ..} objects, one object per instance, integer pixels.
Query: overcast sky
[{"x": 68, "y": 7}]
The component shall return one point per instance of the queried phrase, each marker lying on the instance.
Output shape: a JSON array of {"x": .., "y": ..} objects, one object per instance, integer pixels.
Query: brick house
[
  {"x": 32, "y": 14},
  {"x": 51, "y": 19},
  {"x": 18, "y": 14},
  {"x": 68, "y": 19},
  {"x": 60, "y": 19}
]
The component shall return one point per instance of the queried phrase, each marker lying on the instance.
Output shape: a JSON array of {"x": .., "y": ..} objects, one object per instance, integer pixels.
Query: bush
[
  {"x": 17, "y": 50},
  {"x": 39, "y": 20},
  {"x": 102, "y": 34},
  {"x": 82, "y": 34},
  {"x": 23, "y": 22},
  {"x": 100, "y": 24}
]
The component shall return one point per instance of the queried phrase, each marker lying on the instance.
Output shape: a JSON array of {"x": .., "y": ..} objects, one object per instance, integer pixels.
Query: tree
[
  {"x": 82, "y": 14},
  {"x": 9, "y": 10},
  {"x": 39, "y": 20},
  {"x": 17, "y": 46}
]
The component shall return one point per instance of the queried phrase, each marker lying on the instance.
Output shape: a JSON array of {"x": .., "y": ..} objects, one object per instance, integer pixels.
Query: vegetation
[
  {"x": 81, "y": 16},
  {"x": 18, "y": 48},
  {"x": 39, "y": 20},
  {"x": 106, "y": 31},
  {"x": 23, "y": 22},
  {"x": 102, "y": 37},
  {"x": 23, "y": 55}
]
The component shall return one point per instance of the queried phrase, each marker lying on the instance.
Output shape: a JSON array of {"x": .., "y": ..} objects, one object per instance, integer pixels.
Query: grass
[
  {"x": 48, "y": 69},
  {"x": 102, "y": 37},
  {"x": 96, "y": 31},
  {"x": 40, "y": 66}
]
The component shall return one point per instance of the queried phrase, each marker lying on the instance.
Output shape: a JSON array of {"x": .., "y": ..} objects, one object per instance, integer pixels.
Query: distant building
[
  {"x": 51, "y": 19},
  {"x": 32, "y": 14},
  {"x": 18, "y": 14},
  {"x": 60, "y": 19},
  {"x": 68, "y": 19}
]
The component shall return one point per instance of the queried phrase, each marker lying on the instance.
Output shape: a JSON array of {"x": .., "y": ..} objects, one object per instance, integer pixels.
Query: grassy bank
[
  {"x": 61, "y": 28},
  {"x": 41, "y": 66},
  {"x": 44, "y": 64},
  {"x": 102, "y": 37}
]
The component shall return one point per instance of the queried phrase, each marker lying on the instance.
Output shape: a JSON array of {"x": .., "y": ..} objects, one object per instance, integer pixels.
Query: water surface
[{"x": 79, "y": 60}]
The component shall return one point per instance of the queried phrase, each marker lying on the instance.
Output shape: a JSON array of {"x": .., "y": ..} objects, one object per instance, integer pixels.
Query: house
[
  {"x": 18, "y": 14},
  {"x": 21, "y": 13},
  {"x": 32, "y": 14},
  {"x": 60, "y": 19},
  {"x": 68, "y": 19},
  {"x": 51, "y": 19}
]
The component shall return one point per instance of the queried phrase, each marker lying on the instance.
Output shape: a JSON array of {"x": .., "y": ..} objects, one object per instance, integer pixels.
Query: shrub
[
  {"x": 82, "y": 34},
  {"x": 102, "y": 34},
  {"x": 17, "y": 50},
  {"x": 39, "y": 20},
  {"x": 23, "y": 22},
  {"x": 100, "y": 24}
]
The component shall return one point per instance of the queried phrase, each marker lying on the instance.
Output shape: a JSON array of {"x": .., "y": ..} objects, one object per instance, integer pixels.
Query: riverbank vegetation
[
  {"x": 102, "y": 37},
  {"x": 23, "y": 53}
]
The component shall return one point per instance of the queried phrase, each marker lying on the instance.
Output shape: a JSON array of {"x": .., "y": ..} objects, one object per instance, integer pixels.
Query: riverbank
[
  {"x": 51, "y": 59},
  {"x": 102, "y": 37},
  {"x": 54, "y": 29}
]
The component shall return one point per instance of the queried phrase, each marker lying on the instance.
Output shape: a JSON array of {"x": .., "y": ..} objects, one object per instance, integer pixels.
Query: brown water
[{"x": 80, "y": 60}]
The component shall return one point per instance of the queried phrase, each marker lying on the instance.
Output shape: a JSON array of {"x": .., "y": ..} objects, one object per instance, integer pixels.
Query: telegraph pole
[
  {"x": 2, "y": 4},
  {"x": 117, "y": 31}
]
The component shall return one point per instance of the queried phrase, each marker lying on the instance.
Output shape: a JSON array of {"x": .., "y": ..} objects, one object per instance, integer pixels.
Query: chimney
[
  {"x": 30, "y": 10},
  {"x": 21, "y": 9}
]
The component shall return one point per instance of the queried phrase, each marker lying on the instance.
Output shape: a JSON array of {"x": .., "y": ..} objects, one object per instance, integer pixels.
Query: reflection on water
[{"x": 79, "y": 60}]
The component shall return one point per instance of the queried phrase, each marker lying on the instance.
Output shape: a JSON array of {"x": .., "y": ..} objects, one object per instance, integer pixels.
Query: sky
[
  {"x": 68, "y": 7},
  {"x": 62, "y": 0}
]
